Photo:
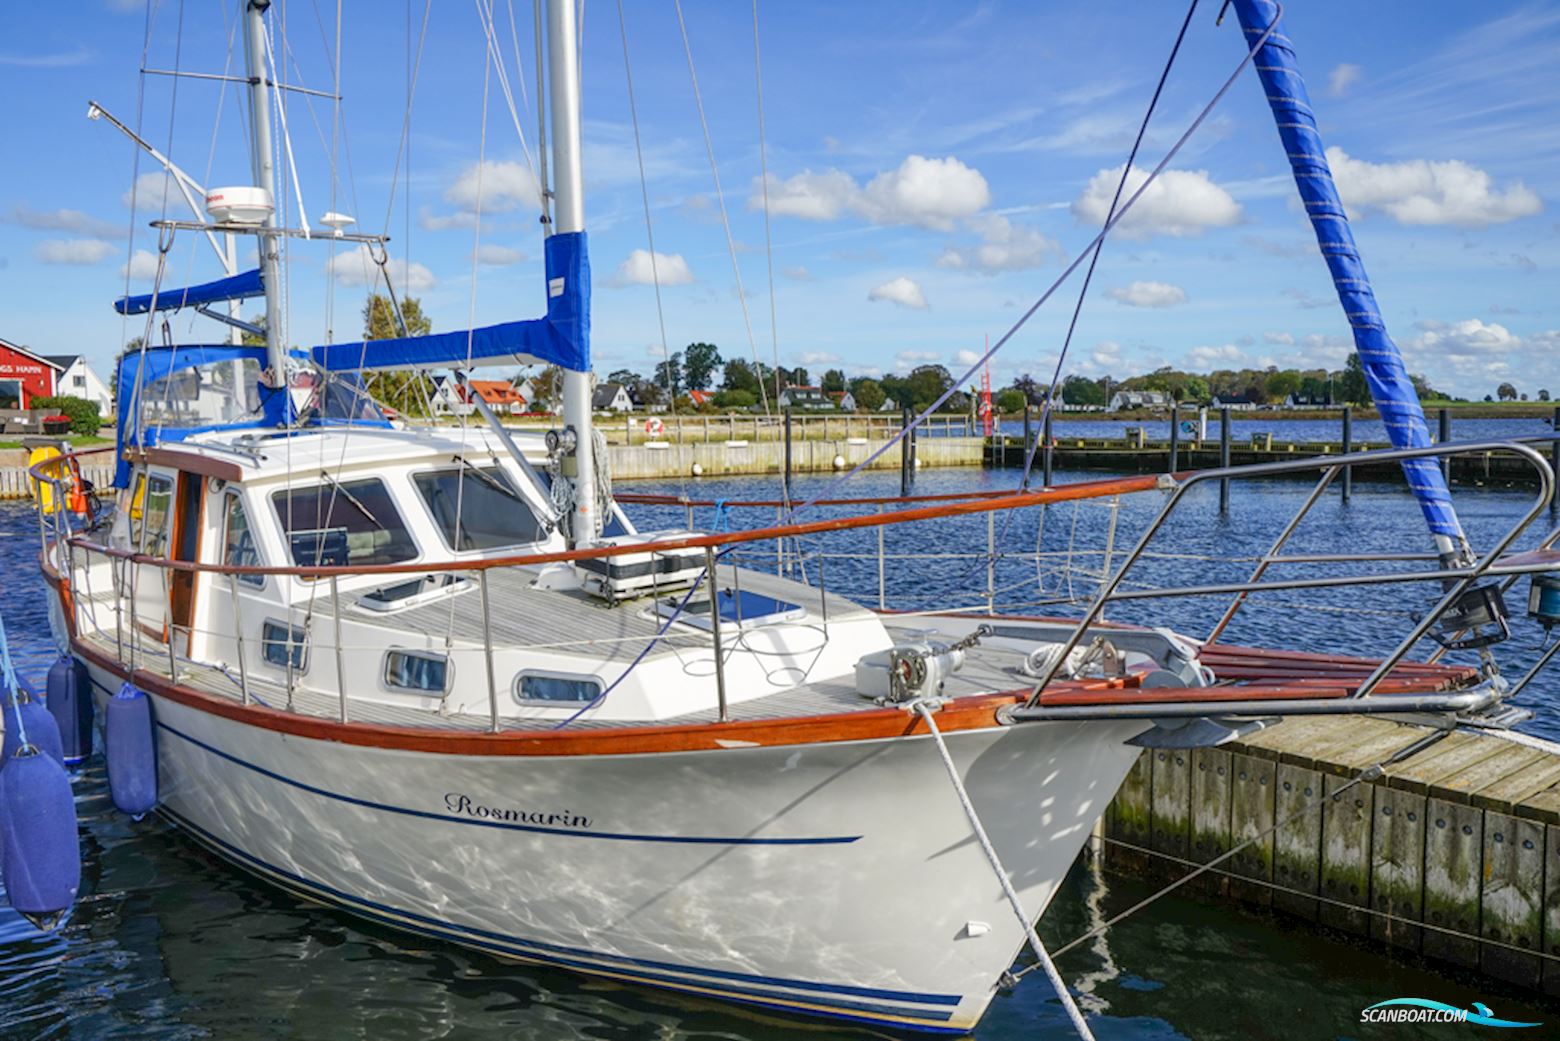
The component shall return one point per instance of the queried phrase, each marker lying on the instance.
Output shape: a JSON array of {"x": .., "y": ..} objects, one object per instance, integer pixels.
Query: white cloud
[
  {"x": 810, "y": 196},
  {"x": 932, "y": 193},
  {"x": 1202, "y": 359},
  {"x": 501, "y": 185},
  {"x": 357, "y": 268},
  {"x": 141, "y": 268},
  {"x": 905, "y": 292},
  {"x": 147, "y": 194},
  {"x": 1106, "y": 354},
  {"x": 798, "y": 274},
  {"x": 1279, "y": 339},
  {"x": 73, "y": 251},
  {"x": 1470, "y": 337},
  {"x": 1420, "y": 191},
  {"x": 1342, "y": 78},
  {"x": 498, "y": 256},
  {"x": 967, "y": 357},
  {"x": 63, "y": 220},
  {"x": 1005, "y": 246},
  {"x": 1148, "y": 294},
  {"x": 638, "y": 270},
  {"x": 910, "y": 359},
  {"x": 1179, "y": 202},
  {"x": 817, "y": 358}
]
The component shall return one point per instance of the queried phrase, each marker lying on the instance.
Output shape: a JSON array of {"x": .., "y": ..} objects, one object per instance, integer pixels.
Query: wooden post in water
[
  {"x": 1348, "y": 446},
  {"x": 1224, "y": 459},
  {"x": 1554, "y": 461},
  {"x": 906, "y": 455},
  {"x": 1029, "y": 438},
  {"x": 785, "y": 480},
  {"x": 1045, "y": 432},
  {"x": 1175, "y": 435},
  {"x": 1444, "y": 418}
]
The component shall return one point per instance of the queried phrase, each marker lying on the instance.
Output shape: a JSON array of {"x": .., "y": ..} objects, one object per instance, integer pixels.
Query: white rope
[{"x": 1044, "y": 959}]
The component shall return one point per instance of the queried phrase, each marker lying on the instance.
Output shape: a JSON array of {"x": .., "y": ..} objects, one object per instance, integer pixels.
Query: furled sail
[
  {"x": 1390, "y": 387},
  {"x": 561, "y": 338},
  {"x": 241, "y": 286}
]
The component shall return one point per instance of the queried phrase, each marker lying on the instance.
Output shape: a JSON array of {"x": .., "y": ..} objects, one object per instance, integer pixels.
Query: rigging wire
[
  {"x": 720, "y": 198},
  {"x": 769, "y": 246},
  {"x": 644, "y": 193},
  {"x": 1077, "y": 261}
]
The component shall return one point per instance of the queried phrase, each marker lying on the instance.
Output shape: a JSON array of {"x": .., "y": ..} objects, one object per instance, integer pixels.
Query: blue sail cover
[
  {"x": 562, "y": 338},
  {"x": 1390, "y": 386},
  {"x": 241, "y": 286},
  {"x": 167, "y": 382}
]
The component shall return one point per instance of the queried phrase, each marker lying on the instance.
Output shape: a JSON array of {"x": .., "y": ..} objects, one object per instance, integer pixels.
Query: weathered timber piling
[{"x": 1451, "y": 852}]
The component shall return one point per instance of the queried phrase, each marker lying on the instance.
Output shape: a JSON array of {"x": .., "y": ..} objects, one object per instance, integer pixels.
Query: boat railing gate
[{"x": 72, "y": 554}]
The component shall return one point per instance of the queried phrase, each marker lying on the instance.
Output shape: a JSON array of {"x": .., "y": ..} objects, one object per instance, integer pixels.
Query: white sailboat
[{"x": 441, "y": 682}]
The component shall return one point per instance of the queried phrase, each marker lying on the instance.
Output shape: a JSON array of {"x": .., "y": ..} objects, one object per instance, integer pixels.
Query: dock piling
[
  {"x": 906, "y": 455},
  {"x": 1443, "y": 435},
  {"x": 1347, "y": 447},
  {"x": 785, "y": 479},
  {"x": 1029, "y": 440},
  {"x": 1047, "y": 447},
  {"x": 1554, "y": 459},
  {"x": 1224, "y": 459},
  {"x": 1175, "y": 435}
]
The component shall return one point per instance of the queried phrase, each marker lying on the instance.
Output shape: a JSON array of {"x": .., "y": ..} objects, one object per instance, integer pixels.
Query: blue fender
[
  {"x": 37, "y": 724},
  {"x": 42, "y": 869},
  {"x": 129, "y": 745}
]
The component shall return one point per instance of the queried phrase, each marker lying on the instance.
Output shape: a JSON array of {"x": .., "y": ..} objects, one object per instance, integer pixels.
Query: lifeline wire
[
  {"x": 1023, "y": 319},
  {"x": 12, "y": 687},
  {"x": 1043, "y": 959}
]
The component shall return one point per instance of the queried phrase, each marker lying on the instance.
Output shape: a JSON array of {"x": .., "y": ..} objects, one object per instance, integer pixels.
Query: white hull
[{"x": 837, "y": 879}]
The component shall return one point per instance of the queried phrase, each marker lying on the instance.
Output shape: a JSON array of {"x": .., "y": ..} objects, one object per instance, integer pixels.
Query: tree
[
  {"x": 669, "y": 374},
  {"x": 626, "y": 377},
  {"x": 833, "y": 381},
  {"x": 1282, "y": 383},
  {"x": 799, "y": 378},
  {"x": 700, "y": 360},
  {"x": 1351, "y": 384},
  {"x": 1076, "y": 390},
  {"x": 1010, "y": 399},
  {"x": 405, "y": 390},
  {"x": 926, "y": 383},
  {"x": 1026, "y": 385},
  {"x": 379, "y": 318},
  {"x": 1543, "y": 395},
  {"x": 736, "y": 399},
  {"x": 257, "y": 339},
  {"x": 869, "y": 394},
  {"x": 739, "y": 375},
  {"x": 1506, "y": 392}
]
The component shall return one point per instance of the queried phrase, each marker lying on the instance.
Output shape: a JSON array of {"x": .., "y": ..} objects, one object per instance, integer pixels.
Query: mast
[
  {"x": 569, "y": 216},
  {"x": 252, "y": 12}
]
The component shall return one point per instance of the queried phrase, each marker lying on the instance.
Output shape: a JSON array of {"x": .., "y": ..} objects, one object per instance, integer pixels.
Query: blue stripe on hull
[{"x": 635, "y": 970}]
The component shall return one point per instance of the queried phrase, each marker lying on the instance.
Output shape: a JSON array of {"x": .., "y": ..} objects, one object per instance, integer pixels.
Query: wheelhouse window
[
  {"x": 155, "y": 499},
  {"x": 238, "y": 541},
  {"x": 491, "y": 514},
  {"x": 342, "y": 523},
  {"x": 417, "y": 672}
]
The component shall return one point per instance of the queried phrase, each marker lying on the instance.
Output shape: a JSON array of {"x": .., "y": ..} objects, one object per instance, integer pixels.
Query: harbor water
[{"x": 168, "y": 942}]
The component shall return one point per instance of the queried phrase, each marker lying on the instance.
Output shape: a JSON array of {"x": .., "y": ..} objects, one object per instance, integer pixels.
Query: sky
[{"x": 932, "y": 168}]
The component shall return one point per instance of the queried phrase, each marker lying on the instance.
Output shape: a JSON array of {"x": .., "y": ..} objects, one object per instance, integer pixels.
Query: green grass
[{"x": 76, "y": 440}]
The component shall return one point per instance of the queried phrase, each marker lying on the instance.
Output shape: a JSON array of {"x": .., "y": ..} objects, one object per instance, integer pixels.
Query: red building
[{"x": 24, "y": 376}]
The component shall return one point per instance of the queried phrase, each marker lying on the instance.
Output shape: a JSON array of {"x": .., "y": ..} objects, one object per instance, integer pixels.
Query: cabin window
[
  {"x": 491, "y": 512},
  {"x": 541, "y": 688},
  {"x": 343, "y": 522},
  {"x": 213, "y": 394},
  {"x": 238, "y": 542},
  {"x": 285, "y": 646},
  {"x": 152, "y": 536},
  {"x": 420, "y": 672}
]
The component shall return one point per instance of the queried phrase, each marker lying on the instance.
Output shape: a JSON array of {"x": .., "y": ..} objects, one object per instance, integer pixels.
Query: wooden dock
[
  {"x": 1451, "y": 853},
  {"x": 1138, "y": 455}
]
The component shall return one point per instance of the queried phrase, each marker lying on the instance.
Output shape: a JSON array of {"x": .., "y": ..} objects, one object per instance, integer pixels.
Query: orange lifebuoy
[{"x": 654, "y": 426}]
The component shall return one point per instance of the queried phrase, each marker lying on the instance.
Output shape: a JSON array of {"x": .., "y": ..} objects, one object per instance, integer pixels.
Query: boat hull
[{"x": 836, "y": 879}]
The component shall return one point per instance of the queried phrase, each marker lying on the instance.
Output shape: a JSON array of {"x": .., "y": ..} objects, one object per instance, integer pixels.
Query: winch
[{"x": 912, "y": 670}]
